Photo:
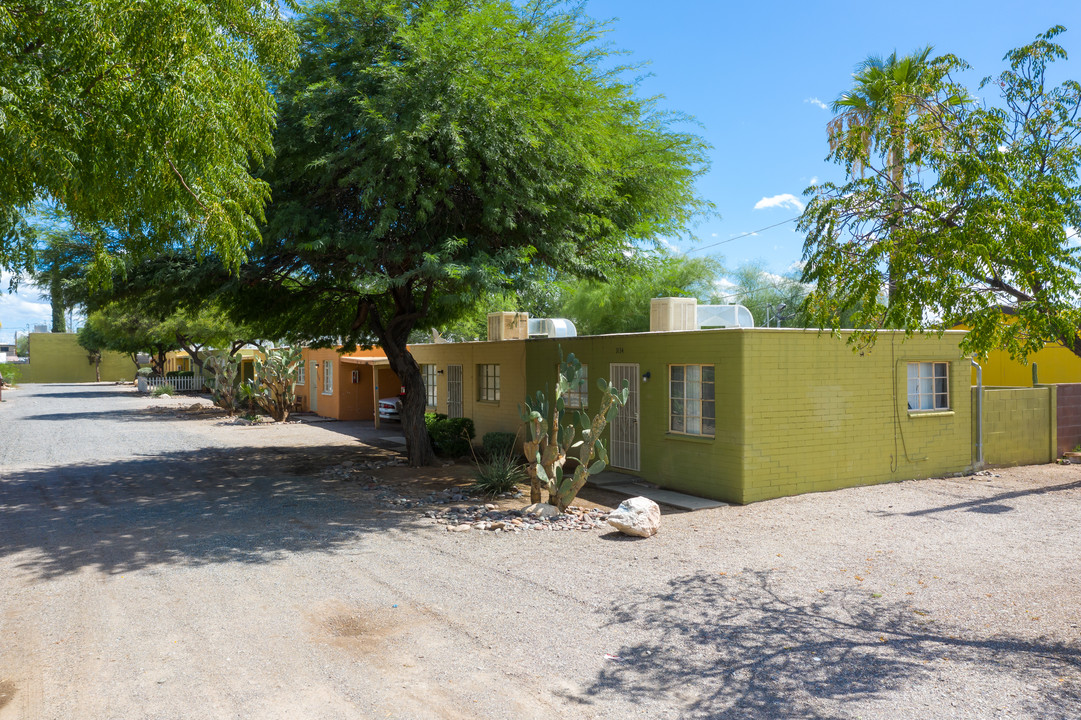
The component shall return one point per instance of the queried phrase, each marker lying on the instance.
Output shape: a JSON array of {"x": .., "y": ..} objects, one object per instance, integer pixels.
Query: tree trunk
[
  {"x": 418, "y": 445},
  {"x": 56, "y": 298}
]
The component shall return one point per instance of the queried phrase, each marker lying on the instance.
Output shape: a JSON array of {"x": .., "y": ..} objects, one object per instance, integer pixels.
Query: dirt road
[{"x": 165, "y": 565}]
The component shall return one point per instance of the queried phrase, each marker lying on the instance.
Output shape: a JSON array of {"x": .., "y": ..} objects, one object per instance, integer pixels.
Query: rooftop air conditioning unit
[
  {"x": 508, "y": 326},
  {"x": 672, "y": 313},
  {"x": 551, "y": 328},
  {"x": 724, "y": 316}
]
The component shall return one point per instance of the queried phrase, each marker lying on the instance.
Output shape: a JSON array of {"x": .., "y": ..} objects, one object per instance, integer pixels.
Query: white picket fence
[{"x": 180, "y": 384}]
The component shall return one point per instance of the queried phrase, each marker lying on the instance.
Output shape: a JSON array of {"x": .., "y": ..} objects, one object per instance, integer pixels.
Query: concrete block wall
[
  {"x": 1068, "y": 417},
  {"x": 1018, "y": 425},
  {"x": 59, "y": 358},
  {"x": 819, "y": 416}
]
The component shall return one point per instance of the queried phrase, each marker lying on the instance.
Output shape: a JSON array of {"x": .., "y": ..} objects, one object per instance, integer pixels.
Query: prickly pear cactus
[{"x": 551, "y": 430}]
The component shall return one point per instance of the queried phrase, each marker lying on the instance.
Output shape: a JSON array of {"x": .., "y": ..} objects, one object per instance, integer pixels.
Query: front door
[
  {"x": 623, "y": 452},
  {"x": 454, "y": 391},
  {"x": 313, "y": 403}
]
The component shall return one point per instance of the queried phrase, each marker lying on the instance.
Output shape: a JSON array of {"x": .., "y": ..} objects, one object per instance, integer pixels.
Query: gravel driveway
[{"x": 161, "y": 565}]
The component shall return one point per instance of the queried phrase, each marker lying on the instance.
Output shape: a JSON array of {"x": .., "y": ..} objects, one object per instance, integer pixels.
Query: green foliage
[
  {"x": 146, "y": 117},
  {"x": 22, "y": 346},
  {"x": 498, "y": 473},
  {"x": 180, "y": 374},
  {"x": 757, "y": 290},
  {"x": 450, "y": 436},
  {"x": 10, "y": 373},
  {"x": 621, "y": 304},
  {"x": 430, "y": 152},
  {"x": 496, "y": 443},
  {"x": 129, "y": 331},
  {"x": 551, "y": 431},
  {"x": 274, "y": 387},
  {"x": 165, "y": 389},
  {"x": 980, "y": 234}
]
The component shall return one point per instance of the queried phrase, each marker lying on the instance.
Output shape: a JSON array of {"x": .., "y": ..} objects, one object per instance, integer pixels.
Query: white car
[{"x": 390, "y": 408}]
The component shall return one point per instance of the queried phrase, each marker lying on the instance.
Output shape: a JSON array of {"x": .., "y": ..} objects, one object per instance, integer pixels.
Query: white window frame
[
  {"x": 578, "y": 398},
  {"x": 928, "y": 389},
  {"x": 696, "y": 399},
  {"x": 431, "y": 387},
  {"x": 328, "y": 378},
  {"x": 488, "y": 383},
  {"x": 301, "y": 377}
]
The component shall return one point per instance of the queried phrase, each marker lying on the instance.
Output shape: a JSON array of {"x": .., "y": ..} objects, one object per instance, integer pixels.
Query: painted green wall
[
  {"x": 58, "y": 358},
  {"x": 797, "y": 411},
  {"x": 819, "y": 416},
  {"x": 1019, "y": 425},
  {"x": 710, "y": 467}
]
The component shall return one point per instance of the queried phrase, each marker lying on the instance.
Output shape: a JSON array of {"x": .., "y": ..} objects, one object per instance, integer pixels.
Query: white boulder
[{"x": 638, "y": 516}]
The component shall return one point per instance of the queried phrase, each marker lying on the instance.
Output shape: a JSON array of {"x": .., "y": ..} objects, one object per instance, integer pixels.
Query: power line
[
  {"x": 779, "y": 284},
  {"x": 738, "y": 237}
]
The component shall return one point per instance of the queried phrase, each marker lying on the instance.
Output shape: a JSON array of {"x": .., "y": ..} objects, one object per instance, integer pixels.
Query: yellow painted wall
[
  {"x": 1019, "y": 425},
  {"x": 510, "y": 355},
  {"x": 58, "y": 358},
  {"x": 1055, "y": 364}
]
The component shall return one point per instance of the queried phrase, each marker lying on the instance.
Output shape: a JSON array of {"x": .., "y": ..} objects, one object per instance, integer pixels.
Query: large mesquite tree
[
  {"x": 428, "y": 152},
  {"x": 146, "y": 117}
]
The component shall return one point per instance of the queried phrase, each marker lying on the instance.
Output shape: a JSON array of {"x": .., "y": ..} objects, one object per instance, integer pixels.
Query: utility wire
[{"x": 738, "y": 237}]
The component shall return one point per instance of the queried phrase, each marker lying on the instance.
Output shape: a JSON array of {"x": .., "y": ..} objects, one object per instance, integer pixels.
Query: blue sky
[{"x": 758, "y": 77}]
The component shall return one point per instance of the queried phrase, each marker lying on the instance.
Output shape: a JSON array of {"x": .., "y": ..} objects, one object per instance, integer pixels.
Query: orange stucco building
[{"x": 345, "y": 386}]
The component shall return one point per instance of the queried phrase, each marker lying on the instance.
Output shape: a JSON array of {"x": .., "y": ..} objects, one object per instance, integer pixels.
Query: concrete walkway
[{"x": 634, "y": 487}]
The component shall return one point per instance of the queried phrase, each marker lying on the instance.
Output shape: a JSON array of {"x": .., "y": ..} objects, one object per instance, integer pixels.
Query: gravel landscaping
[{"x": 158, "y": 561}]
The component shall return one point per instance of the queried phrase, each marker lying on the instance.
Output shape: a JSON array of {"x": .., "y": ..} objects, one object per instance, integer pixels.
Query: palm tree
[{"x": 875, "y": 116}]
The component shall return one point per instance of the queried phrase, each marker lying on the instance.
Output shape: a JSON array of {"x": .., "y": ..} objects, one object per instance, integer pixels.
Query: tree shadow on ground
[
  {"x": 735, "y": 646},
  {"x": 992, "y": 504},
  {"x": 99, "y": 392},
  {"x": 210, "y": 506},
  {"x": 129, "y": 415}
]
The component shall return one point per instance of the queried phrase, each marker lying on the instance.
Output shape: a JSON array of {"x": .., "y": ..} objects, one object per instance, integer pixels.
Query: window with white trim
[
  {"x": 691, "y": 401},
  {"x": 488, "y": 383},
  {"x": 328, "y": 378},
  {"x": 300, "y": 373},
  {"x": 430, "y": 376},
  {"x": 928, "y": 386},
  {"x": 578, "y": 397}
]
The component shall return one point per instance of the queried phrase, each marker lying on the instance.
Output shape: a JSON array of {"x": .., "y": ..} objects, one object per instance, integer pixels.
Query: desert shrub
[
  {"x": 165, "y": 389},
  {"x": 499, "y": 473},
  {"x": 451, "y": 436},
  {"x": 496, "y": 443},
  {"x": 10, "y": 373}
]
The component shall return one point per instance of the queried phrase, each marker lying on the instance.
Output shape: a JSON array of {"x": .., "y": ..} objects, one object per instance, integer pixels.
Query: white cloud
[
  {"x": 785, "y": 200},
  {"x": 814, "y": 180},
  {"x": 817, "y": 103},
  {"x": 743, "y": 234}
]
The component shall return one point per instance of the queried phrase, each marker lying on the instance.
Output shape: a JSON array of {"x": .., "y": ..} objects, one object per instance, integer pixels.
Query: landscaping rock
[
  {"x": 541, "y": 510},
  {"x": 638, "y": 516}
]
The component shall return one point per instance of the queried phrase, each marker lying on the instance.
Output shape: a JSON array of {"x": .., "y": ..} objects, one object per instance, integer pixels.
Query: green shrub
[
  {"x": 10, "y": 372},
  {"x": 450, "y": 436},
  {"x": 496, "y": 443},
  {"x": 165, "y": 389},
  {"x": 500, "y": 473},
  {"x": 180, "y": 373}
]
